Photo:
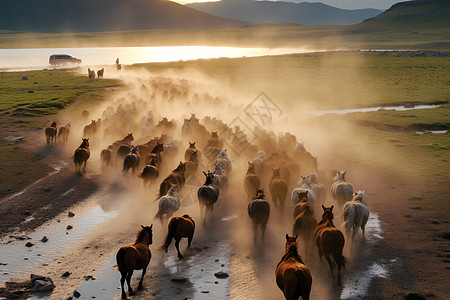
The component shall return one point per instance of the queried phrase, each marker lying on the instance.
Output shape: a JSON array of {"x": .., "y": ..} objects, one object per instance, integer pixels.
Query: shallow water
[{"x": 370, "y": 109}]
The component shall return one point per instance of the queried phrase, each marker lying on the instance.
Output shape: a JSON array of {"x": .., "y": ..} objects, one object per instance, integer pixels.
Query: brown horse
[
  {"x": 81, "y": 156},
  {"x": 330, "y": 241},
  {"x": 192, "y": 164},
  {"x": 304, "y": 225},
  {"x": 64, "y": 132},
  {"x": 150, "y": 172},
  {"x": 100, "y": 73},
  {"x": 259, "y": 211},
  {"x": 135, "y": 257},
  {"x": 207, "y": 196},
  {"x": 302, "y": 202},
  {"x": 251, "y": 181},
  {"x": 155, "y": 153},
  {"x": 292, "y": 275},
  {"x": 132, "y": 160},
  {"x": 175, "y": 178},
  {"x": 179, "y": 227},
  {"x": 278, "y": 189},
  {"x": 50, "y": 133}
]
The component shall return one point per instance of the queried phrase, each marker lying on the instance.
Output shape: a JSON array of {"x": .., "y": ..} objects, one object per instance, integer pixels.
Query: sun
[{"x": 192, "y": 1}]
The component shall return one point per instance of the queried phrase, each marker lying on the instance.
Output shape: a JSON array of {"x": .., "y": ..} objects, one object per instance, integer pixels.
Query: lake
[{"x": 19, "y": 59}]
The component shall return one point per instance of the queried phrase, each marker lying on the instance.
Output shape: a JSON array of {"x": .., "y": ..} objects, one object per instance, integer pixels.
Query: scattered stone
[
  {"x": 222, "y": 265},
  {"x": 20, "y": 171},
  {"x": 41, "y": 286},
  {"x": 414, "y": 296},
  {"x": 24, "y": 78},
  {"x": 3, "y": 263},
  {"x": 70, "y": 214},
  {"x": 47, "y": 189},
  {"x": 221, "y": 275},
  {"x": 178, "y": 279},
  {"x": 26, "y": 258},
  {"x": 76, "y": 294},
  {"x": 66, "y": 274},
  {"x": 205, "y": 292},
  {"x": 435, "y": 222},
  {"x": 216, "y": 260},
  {"x": 69, "y": 227},
  {"x": 408, "y": 216},
  {"x": 26, "y": 213},
  {"x": 44, "y": 239},
  {"x": 30, "y": 92},
  {"x": 88, "y": 277},
  {"x": 216, "y": 282},
  {"x": 29, "y": 244},
  {"x": 34, "y": 277}
]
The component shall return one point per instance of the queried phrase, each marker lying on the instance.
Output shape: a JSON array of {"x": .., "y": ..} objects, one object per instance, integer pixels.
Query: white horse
[
  {"x": 258, "y": 161},
  {"x": 356, "y": 214},
  {"x": 220, "y": 177},
  {"x": 304, "y": 185},
  {"x": 169, "y": 203},
  {"x": 223, "y": 161},
  {"x": 341, "y": 190},
  {"x": 319, "y": 189}
]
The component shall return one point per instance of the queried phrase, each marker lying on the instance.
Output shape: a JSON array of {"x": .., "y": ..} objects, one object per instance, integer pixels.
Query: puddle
[
  {"x": 22, "y": 260},
  {"x": 371, "y": 109},
  {"x": 432, "y": 131},
  {"x": 359, "y": 284}
]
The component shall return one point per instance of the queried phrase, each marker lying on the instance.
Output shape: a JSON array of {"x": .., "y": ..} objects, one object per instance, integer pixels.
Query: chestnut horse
[
  {"x": 50, "y": 133},
  {"x": 132, "y": 160},
  {"x": 252, "y": 181},
  {"x": 278, "y": 189},
  {"x": 330, "y": 241},
  {"x": 150, "y": 172},
  {"x": 174, "y": 178},
  {"x": 179, "y": 227},
  {"x": 63, "y": 132},
  {"x": 81, "y": 156},
  {"x": 135, "y": 257},
  {"x": 259, "y": 211},
  {"x": 207, "y": 195},
  {"x": 304, "y": 225},
  {"x": 292, "y": 275}
]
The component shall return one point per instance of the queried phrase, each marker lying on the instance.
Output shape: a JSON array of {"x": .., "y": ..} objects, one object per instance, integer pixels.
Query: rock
[
  {"x": 76, "y": 294},
  {"x": 221, "y": 275},
  {"x": 47, "y": 189},
  {"x": 29, "y": 244},
  {"x": 20, "y": 171},
  {"x": 30, "y": 92},
  {"x": 26, "y": 213},
  {"x": 178, "y": 279},
  {"x": 205, "y": 292},
  {"x": 3, "y": 263},
  {"x": 216, "y": 260},
  {"x": 407, "y": 216},
  {"x": 24, "y": 78},
  {"x": 89, "y": 277},
  {"x": 44, "y": 239},
  {"x": 34, "y": 277},
  {"x": 414, "y": 296},
  {"x": 435, "y": 222},
  {"x": 70, "y": 214},
  {"x": 42, "y": 286},
  {"x": 66, "y": 274},
  {"x": 69, "y": 227}
]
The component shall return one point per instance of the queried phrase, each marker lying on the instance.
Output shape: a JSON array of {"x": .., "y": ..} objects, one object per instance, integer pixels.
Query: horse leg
[
  {"x": 130, "y": 290},
  {"x": 122, "y": 282},
  {"x": 189, "y": 241},
  {"x": 84, "y": 166},
  {"x": 330, "y": 262},
  {"x": 144, "y": 270},
  {"x": 263, "y": 229},
  {"x": 177, "y": 245}
]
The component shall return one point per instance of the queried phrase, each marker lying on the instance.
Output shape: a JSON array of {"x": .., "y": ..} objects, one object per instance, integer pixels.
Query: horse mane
[
  {"x": 140, "y": 235},
  {"x": 313, "y": 178},
  {"x": 360, "y": 197},
  {"x": 209, "y": 179},
  {"x": 305, "y": 182},
  {"x": 190, "y": 218},
  {"x": 292, "y": 251},
  {"x": 327, "y": 217},
  {"x": 340, "y": 176}
]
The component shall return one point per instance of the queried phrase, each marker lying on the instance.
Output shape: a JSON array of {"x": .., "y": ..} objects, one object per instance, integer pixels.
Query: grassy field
[{"x": 45, "y": 92}]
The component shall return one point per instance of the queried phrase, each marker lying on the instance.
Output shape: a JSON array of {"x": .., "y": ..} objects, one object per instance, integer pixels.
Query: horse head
[
  {"x": 181, "y": 167},
  {"x": 328, "y": 212},
  {"x": 291, "y": 240},
  {"x": 302, "y": 196},
  {"x": 304, "y": 182},
  {"x": 146, "y": 232},
  {"x": 192, "y": 145},
  {"x": 214, "y": 135},
  {"x": 85, "y": 142},
  {"x": 259, "y": 194},
  {"x": 340, "y": 176},
  {"x": 53, "y": 124},
  {"x": 251, "y": 168}
]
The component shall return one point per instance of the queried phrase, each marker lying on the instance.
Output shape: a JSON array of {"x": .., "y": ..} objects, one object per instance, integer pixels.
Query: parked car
[{"x": 61, "y": 59}]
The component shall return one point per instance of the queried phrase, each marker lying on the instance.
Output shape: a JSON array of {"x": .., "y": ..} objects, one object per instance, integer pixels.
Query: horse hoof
[{"x": 180, "y": 256}]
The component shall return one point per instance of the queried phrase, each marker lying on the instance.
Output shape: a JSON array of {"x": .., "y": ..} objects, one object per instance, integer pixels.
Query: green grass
[{"x": 45, "y": 92}]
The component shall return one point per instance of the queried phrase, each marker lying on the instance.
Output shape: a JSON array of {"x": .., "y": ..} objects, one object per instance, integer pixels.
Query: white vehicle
[{"x": 61, "y": 59}]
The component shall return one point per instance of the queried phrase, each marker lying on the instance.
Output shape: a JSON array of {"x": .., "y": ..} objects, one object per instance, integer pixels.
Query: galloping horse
[
  {"x": 304, "y": 186},
  {"x": 278, "y": 189},
  {"x": 64, "y": 132},
  {"x": 155, "y": 153},
  {"x": 189, "y": 150},
  {"x": 50, "y": 133},
  {"x": 259, "y": 211},
  {"x": 81, "y": 156},
  {"x": 251, "y": 181},
  {"x": 319, "y": 189},
  {"x": 179, "y": 227},
  {"x": 341, "y": 190},
  {"x": 356, "y": 214},
  {"x": 192, "y": 164},
  {"x": 302, "y": 203},
  {"x": 150, "y": 172},
  {"x": 330, "y": 241},
  {"x": 132, "y": 160},
  {"x": 304, "y": 225},
  {"x": 207, "y": 195},
  {"x": 174, "y": 178},
  {"x": 135, "y": 257},
  {"x": 223, "y": 161},
  {"x": 220, "y": 177},
  {"x": 169, "y": 203},
  {"x": 258, "y": 161},
  {"x": 292, "y": 275}
]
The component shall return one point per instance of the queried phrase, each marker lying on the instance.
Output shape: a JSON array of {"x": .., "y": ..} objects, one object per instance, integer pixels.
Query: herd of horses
[{"x": 275, "y": 167}]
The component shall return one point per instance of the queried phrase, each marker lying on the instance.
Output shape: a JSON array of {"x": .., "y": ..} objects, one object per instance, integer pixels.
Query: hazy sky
[{"x": 347, "y": 4}]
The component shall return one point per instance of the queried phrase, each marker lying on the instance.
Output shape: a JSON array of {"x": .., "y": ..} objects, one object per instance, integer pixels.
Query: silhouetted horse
[
  {"x": 179, "y": 227},
  {"x": 341, "y": 190},
  {"x": 259, "y": 212},
  {"x": 81, "y": 156},
  {"x": 135, "y": 257},
  {"x": 278, "y": 189},
  {"x": 189, "y": 150},
  {"x": 91, "y": 73},
  {"x": 292, "y": 275},
  {"x": 64, "y": 132},
  {"x": 356, "y": 215},
  {"x": 207, "y": 195},
  {"x": 330, "y": 241},
  {"x": 192, "y": 164},
  {"x": 150, "y": 172},
  {"x": 220, "y": 177},
  {"x": 252, "y": 181},
  {"x": 50, "y": 133},
  {"x": 132, "y": 160},
  {"x": 304, "y": 225},
  {"x": 156, "y": 153},
  {"x": 169, "y": 203},
  {"x": 100, "y": 73},
  {"x": 176, "y": 177}
]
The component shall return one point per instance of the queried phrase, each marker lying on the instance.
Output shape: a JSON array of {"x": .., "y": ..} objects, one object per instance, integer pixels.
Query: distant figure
[
  {"x": 119, "y": 66},
  {"x": 91, "y": 73},
  {"x": 100, "y": 73}
]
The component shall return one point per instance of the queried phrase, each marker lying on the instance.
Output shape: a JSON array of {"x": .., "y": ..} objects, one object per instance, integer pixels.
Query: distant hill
[
  {"x": 105, "y": 15},
  {"x": 418, "y": 14},
  {"x": 285, "y": 12}
]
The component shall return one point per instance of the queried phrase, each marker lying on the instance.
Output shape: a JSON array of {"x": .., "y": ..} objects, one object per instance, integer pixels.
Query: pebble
[
  {"x": 44, "y": 239},
  {"x": 70, "y": 214},
  {"x": 435, "y": 222},
  {"x": 221, "y": 274},
  {"x": 29, "y": 244},
  {"x": 69, "y": 227},
  {"x": 414, "y": 296},
  {"x": 3, "y": 263},
  {"x": 66, "y": 274},
  {"x": 76, "y": 294},
  {"x": 178, "y": 279}
]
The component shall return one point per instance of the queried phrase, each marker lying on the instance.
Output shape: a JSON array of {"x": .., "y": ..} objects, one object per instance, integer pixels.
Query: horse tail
[
  {"x": 169, "y": 237},
  {"x": 120, "y": 259},
  {"x": 349, "y": 217}
]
